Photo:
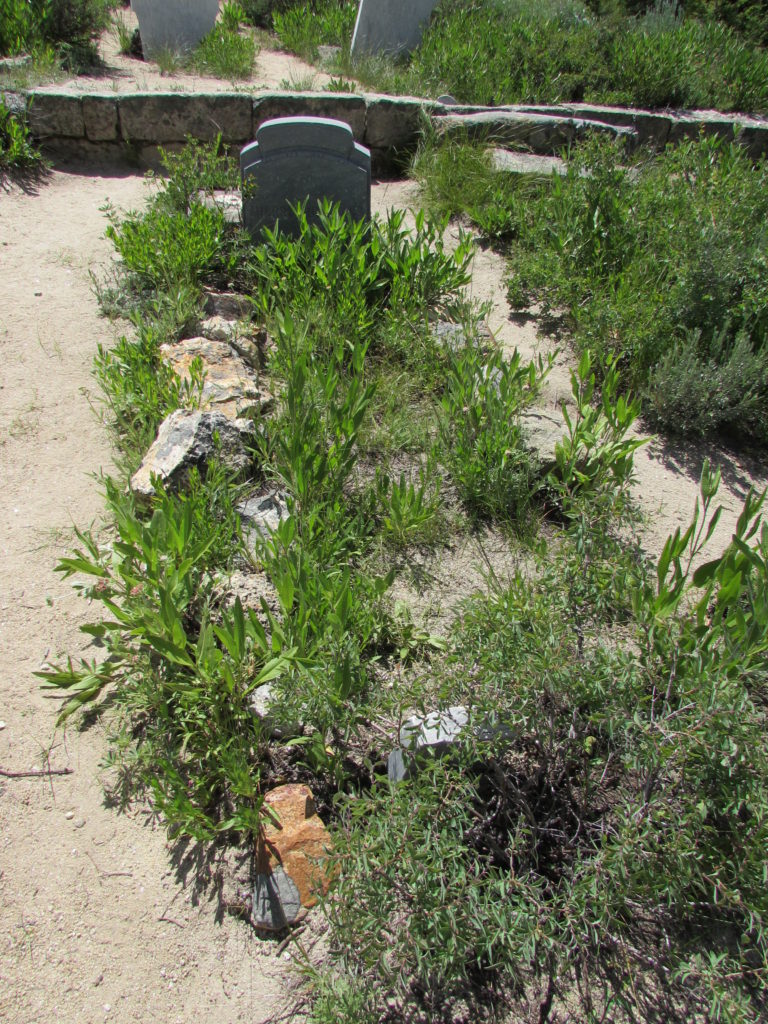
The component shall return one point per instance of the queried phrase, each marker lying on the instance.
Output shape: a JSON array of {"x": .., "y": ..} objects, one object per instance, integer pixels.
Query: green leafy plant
[
  {"x": 303, "y": 28},
  {"x": 141, "y": 389},
  {"x": 17, "y": 152},
  {"x": 340, "y": 85},
  {"x": 482, "y": 439},
  {"x": 183, "y": 681},
  {"x": 595, "y": 456},
  {"x": 168, "y": 250},
  {"x": 69, "y": 27},
  {"x": 232, "y": 16},
  {"x": 359, "y": 277},
  {"x": 409, "y": 510},
  {"x": 225, "y": 52}
]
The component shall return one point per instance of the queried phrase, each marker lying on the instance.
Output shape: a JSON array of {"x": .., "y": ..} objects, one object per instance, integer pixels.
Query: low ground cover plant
[
  {"x": 661, "y": 263},
  {"x": 516, "y": 51},
  {"x": 598, "y": 841}
]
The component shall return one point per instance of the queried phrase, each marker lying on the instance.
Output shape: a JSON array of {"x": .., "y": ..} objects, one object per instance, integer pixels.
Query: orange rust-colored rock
[{"x": 300, "y": 843}]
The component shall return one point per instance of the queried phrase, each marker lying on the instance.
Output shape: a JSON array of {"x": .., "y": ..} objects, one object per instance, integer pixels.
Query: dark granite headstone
[{"x": 303, "y": 159}]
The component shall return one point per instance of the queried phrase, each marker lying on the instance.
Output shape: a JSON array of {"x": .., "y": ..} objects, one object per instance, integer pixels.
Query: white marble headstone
[
  {"x": 390, "y": 26},
  {"x": 303, "y": 159}
]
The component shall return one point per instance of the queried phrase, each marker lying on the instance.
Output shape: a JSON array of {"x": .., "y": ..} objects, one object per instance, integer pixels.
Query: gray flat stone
[
  {"x": 56, "y": 114},
  {"x": 190, "y": 439},
  {"x": 542, "y": 430},
  {"x": 455, "y": 337},
  {"x": 438, "y": 733},
  {"x": 435, "y": 729},
  {"x": 297, "y": 159},
  {"x": 541, "y": 133},
  {"x": 159, "y": 118},
  {"x": 390, "y": 26},
  {"x": 651, "y": 126},
  {"x": 527, "y": 163},
  {"x": 100, "y": 118},
  {"x": 229, "y": 204},
  {"x": 276, "y": 901},
  {"x": 263, "y": 513},
  {"x": 328, "y": 54}
]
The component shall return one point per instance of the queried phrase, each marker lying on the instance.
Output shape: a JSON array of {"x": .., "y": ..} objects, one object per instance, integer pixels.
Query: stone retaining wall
[{"x": 72, "y": 123}]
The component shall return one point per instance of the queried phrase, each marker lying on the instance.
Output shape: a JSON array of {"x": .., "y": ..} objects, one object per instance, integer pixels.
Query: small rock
[
  {"x": 230, "y": 386},
  {"x": 250, "y": 587},
  {"x": 455, "y": 337},
  {"x": 260, "y": 700},
  {"x": 228, "y": 305},
  {"x": 228, "y": 203},
  {"x": 276, "y": 900},
  {"x": 98, "y": 980},
  {"x": 2, "y": 726},
  {"x": 79, "y": 822},
  {"x": 542, "y": 430},
  {"x": 216, "y": 328},
  {"x": 527, "y": 163},
  {"x": 69, "y": 815},
  {"x": 447, "y": 100},
  {"x": 186, "y": 440},
  {"x": 261, "y": 703},
  {"x": 293, "y": 848},
  {"x": 264, "y": 512}
]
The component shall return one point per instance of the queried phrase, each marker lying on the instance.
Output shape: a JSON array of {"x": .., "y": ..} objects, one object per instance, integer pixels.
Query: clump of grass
[
  {"x": 302, "y": 29},
  {"x": 225, "y": 53},
  {"x": 128, "y": 40}
]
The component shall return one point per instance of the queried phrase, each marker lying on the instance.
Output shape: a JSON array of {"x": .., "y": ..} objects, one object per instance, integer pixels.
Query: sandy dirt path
[{"x": 95, "y": 924}]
